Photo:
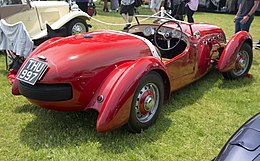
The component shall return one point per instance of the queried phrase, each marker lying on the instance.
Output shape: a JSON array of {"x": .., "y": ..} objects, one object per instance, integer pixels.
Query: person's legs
[
  {"x": 131, "y": 11},
  {"x": 130, "y": 19},
  {"x": 246, "y": 26},
  {"x": 189, "y": 14},
  {"x": 124, "y": 12},
  {"x": 152, "y": 6},
  {"x": 181, "y": 11},
  {"x": 155, "y": 9},
  {"x": 113, "y": 5},
  {"x": 130, "y": 16},
  {"x": 124, "y": 17},
  {"x": 105, "y": 8},
  {"x": 173, "y": 10},
  {"x": 238, "y": 25},
  {"x": 157, "y": 19}
]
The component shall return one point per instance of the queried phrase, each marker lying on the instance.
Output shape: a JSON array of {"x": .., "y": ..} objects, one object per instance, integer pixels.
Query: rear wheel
[
  {"x": 77, "y": 26},
  {"x": 243, "y": 63},
  {"x": 147, "y": 100}
]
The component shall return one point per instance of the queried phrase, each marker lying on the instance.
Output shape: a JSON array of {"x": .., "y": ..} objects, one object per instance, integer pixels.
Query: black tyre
[
  {"x": 148, "y": 99},
  {"x": 77, "y": 26},
  {"x": 243, "y": 63}
]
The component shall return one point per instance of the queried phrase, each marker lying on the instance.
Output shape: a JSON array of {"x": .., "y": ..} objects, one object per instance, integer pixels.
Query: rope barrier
[{"x": 161, "y": 14}]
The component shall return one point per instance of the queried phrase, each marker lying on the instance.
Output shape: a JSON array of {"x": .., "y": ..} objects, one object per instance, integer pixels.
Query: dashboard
[{"x": 148, "y": 31}]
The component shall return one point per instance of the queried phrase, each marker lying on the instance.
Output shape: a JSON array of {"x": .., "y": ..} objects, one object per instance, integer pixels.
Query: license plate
[{"x": 32, "y": 71}]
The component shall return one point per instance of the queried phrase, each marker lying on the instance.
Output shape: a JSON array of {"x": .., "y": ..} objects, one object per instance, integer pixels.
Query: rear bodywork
[{"x": 92, "y": 70}]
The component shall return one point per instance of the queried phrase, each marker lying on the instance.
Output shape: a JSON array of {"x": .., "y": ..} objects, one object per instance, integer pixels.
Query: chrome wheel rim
[
  {"x": 242, "y": 62},
  {"x": 78, "y": 28},
  {"x": 147, "y": 102}
]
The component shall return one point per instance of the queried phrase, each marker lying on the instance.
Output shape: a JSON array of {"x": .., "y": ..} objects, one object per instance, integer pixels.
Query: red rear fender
[
  {"x": 117, "y": 92},
  {"x": 228, "y": 56}
]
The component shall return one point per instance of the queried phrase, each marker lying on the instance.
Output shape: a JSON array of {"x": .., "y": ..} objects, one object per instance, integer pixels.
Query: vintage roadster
[{"x": 126, "y": 76}]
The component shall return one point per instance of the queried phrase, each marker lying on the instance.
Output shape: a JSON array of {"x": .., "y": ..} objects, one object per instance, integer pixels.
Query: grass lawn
[{"x": 192, "y": 126}]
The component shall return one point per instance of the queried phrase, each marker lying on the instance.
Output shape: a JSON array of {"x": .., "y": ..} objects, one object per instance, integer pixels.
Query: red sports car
[{"x": 126, "y": 76}]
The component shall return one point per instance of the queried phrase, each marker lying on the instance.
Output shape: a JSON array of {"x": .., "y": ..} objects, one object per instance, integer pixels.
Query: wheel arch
[
  {"x": 228, "y": 56},
  {"x": 119, "y": 88},
  {"x": 166, "y": 83},
  {"x": 69, "y": 17},
  {"x": 249, "y": 42}
]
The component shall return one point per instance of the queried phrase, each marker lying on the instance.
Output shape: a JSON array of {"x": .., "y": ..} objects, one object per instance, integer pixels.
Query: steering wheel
[{"x": 168, "y": 35}]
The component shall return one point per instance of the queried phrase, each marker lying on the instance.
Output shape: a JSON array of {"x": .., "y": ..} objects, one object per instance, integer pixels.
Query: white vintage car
[{"x": 45, "y": 19}]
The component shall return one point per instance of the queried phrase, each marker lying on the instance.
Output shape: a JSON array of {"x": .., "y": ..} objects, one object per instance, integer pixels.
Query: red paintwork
[
  {"x": 111, "y": 64},
  {"x": 227, "y": 59}
]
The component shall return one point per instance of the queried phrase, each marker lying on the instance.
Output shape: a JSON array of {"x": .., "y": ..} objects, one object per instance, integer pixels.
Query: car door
[{"x": 181, "y": 68}]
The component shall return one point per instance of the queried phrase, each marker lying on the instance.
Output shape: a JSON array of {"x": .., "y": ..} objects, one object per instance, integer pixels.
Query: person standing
[
  {"x": 191, "y": 7},
  {"x": 245, "y": 15},
  {"x": 127, "y": 12}
]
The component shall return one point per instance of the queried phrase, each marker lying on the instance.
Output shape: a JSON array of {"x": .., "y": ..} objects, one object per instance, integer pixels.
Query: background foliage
[{"x": 193, "y": 125}]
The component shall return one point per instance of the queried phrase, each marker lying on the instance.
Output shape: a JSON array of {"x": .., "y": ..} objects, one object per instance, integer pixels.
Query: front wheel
[
  {"x": 243, "y": 63},
  {"x": 77, "y": 26},
  {"x": 146, "y": 102}
]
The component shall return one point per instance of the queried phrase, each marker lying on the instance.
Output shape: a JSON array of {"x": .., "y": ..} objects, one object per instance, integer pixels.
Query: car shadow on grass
[
  {"x": 52, "y": 129},
  {"x": 241, "y": 82},
  {"x": 193, "y": 92},
  {"x": 235, "y": 84}
]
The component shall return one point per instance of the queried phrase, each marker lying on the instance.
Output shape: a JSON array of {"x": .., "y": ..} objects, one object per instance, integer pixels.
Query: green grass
[{"x": 192, "y": 126}]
